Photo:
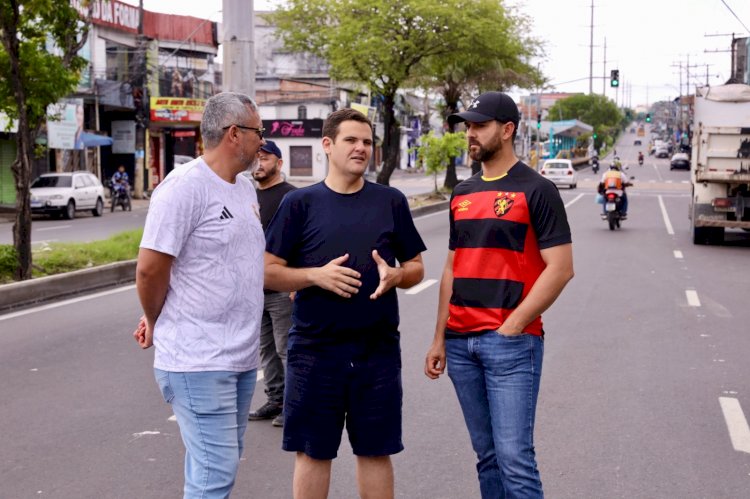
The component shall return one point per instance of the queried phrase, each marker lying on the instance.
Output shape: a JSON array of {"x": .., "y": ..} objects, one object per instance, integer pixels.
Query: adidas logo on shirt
[{"x": 225, "y": 213}]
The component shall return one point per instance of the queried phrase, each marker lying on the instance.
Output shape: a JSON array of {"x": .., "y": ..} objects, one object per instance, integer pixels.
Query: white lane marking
[
  {"x": 658, "y": 173},
  {"x": 172, "y": 418},
  {"x": 692, "y": 298},
  {"x": 652, "y": 181},
  {"x": 65, "y": 302},
  {"x": 573, "y": 200},
  {"x": 739, "y": 432},
  {"x": 421, "y": 286},
  {"x": 260, "y": 375},
  {"x": 678, "y": 254},
  {"x": 685, "y": 182},
  {"x": 56, "y": 227},
  {"x": 670, "y": 230},
  {"x": 670, "y": 181}
]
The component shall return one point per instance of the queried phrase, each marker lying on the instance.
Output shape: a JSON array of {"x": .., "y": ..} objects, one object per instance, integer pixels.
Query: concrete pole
[
  {"x": 239, "y": 46},
  {"x": 591, "y": 51}
]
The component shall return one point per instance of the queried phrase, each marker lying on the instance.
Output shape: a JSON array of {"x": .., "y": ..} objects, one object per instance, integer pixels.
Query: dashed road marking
[
  {"x": 421, "y": 286},
  {"x": 678, "y": 254},
  {"x": 56, "y": 227},
  {"x": 664, "y": 214},
  {"x": 573, "y": 200},
  {"x": 692, "y": 298},
  {"x": 739, "y": 431}
]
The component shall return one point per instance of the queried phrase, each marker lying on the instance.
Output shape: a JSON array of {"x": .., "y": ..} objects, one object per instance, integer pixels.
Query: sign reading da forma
[
  {"x": 177, "y": 109},
  {"x": 279, "y": 129},
  {"x": 111, "y": 13}
]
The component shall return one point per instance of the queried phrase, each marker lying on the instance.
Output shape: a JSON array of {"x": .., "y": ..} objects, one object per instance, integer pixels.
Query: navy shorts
[{"x": 354, "y": 384}]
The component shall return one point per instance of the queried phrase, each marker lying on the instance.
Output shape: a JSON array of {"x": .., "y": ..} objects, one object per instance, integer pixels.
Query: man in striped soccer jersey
[{"x": 510, "y": 256}]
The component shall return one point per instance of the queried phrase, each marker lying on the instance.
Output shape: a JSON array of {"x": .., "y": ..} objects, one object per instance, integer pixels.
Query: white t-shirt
[{"x": 211, "y": 317}]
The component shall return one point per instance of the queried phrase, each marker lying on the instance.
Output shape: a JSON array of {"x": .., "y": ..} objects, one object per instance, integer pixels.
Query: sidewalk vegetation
[{"x": 56, "y": 258}]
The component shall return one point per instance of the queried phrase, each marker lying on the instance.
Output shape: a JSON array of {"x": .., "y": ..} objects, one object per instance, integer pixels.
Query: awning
[{"x": 94, "y": 140}]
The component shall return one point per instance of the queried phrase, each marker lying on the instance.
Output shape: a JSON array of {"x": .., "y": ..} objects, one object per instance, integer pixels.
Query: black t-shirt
[
  {"x": 270, "y": 199},
  {"x": 313, "y": 226}
]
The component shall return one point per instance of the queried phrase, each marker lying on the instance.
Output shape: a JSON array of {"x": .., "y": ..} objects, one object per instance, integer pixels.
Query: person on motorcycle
[
  {"x": 121, "y": 182},
  {"x": 614, "y": 179},
  {"x": 640, "y": 158}
]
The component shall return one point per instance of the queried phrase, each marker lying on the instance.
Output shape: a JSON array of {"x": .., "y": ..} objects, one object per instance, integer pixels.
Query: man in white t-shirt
[{"x": 200, "y": 282}]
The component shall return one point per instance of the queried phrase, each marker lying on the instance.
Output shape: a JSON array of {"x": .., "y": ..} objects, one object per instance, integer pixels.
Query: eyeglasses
[{"x": 259, "y": 131}]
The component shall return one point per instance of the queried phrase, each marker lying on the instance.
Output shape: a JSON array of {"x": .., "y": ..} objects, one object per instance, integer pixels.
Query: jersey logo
[
  {"x": 464, "y": 205},
  {"x": 225, "y": 213},
  {"x": 504, "y": 203}
]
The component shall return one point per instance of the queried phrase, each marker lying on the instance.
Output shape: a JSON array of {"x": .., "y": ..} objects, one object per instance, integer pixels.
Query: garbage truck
[{"x": 720, "y": 162}]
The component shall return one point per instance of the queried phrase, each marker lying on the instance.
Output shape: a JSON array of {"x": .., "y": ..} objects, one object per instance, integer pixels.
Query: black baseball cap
[
  {"x": 486, "y": 107},
  {"x": 271, "y": 148}
]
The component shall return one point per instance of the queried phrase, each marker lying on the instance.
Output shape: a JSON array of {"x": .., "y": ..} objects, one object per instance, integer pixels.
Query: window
[
  {"x": 302, "y": 113},
  {"x": 300, "y": 161},
  {"x": 79, "y": 182}
]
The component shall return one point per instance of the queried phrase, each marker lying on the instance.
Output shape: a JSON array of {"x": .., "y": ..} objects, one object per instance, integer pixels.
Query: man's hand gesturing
[
  {"x": 340, "y": 280},
  {"x": 389, "y": 276}
]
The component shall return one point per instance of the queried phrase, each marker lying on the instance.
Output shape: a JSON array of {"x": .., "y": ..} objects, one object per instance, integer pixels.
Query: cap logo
[{"x": 474, "y": 104}]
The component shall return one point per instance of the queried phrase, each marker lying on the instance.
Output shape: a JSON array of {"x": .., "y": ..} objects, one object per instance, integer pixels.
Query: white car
[
  {"x": 65, "y": 193},
  {"x": 561, "y": 172}
]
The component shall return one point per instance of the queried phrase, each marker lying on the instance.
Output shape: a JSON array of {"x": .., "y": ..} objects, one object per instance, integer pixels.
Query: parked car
[
  {"x": 561, "y": 172},
  {"x": 680, "y": 160},
  {"x": 637, "y": 142},
  {"x": 65, "y": 193},
  {"x": 661, "y": 151}
]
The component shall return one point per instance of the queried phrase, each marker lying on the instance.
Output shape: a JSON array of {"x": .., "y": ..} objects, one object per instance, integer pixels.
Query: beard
[
  {"x": 248, "y": 161},
  {"x": 484, "y": 153}
]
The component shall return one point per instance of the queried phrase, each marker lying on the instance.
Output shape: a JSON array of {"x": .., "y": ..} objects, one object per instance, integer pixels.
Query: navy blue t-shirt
[{"x": 314, "y": 225}]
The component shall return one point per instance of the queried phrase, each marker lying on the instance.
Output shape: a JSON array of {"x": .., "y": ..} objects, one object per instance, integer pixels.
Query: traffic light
[
  {"x": 594, "y": 135},
  {"x": 614, "y": 78},
  {"x": 648, "y": 118},
  {"x": 538, "y": 121}
]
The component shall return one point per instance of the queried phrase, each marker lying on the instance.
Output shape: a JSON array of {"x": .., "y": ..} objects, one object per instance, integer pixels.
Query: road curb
[{"x": 44, "y": 289}]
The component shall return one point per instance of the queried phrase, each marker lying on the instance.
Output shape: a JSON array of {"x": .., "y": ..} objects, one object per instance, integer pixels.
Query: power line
[{"x": 735, "y": 16}]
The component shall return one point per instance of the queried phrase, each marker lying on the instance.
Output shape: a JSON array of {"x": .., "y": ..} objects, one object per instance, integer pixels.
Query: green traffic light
[{"x": 538, "y": 125}]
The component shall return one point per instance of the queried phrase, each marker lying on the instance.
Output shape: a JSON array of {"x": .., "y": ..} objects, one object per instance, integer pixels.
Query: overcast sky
[{"x": 646, "y": 40}]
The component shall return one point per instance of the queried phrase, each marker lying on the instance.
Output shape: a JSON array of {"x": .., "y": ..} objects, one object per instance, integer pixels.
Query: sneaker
[
  {"x": 269, "y": 410},
  {"x": 278, "y": 421},
  {"x": 604, "y": 217}
]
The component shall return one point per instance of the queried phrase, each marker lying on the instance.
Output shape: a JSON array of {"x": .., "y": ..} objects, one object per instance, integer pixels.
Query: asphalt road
[{"x": 645, "y": 368}]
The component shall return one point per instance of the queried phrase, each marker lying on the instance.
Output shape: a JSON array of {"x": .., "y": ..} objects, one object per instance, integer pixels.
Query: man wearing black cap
[
  {"x": 510, "y": 256},
  {"x": 277, "y": 307}
]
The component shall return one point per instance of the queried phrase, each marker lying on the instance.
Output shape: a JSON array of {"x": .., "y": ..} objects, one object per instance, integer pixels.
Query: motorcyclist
[
  {"x": 640, "y": 158},
  {"x": 615, "y": 180},
  {"x": 121, "y": 182}
]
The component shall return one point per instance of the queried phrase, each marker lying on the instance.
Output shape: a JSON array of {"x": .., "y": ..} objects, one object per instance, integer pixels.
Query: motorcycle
[
  {"x": 613, "y": 207},
  {"x": 640, "y": 159},
  {"x": 120, "y": 197},
  {"x": 595, "y": 164}
]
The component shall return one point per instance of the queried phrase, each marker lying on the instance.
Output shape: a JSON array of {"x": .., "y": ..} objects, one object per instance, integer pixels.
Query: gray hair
[{"x": 223, "y": 110}]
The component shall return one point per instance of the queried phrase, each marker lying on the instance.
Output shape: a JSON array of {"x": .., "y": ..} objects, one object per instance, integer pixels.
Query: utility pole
[
  {"x": 141, "y": 121},
  {"x": 239, "y": 46},
  {"x": 591, "y": 51},
  {"x": 604, "y": 69}
]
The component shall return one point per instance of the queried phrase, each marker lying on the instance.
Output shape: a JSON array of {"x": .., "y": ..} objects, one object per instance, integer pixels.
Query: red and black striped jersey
[{"x": 497, "y": 229}]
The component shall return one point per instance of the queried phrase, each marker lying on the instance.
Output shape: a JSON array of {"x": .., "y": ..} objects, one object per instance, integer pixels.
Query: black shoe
[
  {"x": 623, "y": 217},
  {"x": 278, "y": 421},
  {"x": 269, "y": 410}
]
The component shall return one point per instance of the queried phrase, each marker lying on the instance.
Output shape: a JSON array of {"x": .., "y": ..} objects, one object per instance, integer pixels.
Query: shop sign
[
  {"x": 177, "y": 109},
  {"x": 293, "y": 128}
]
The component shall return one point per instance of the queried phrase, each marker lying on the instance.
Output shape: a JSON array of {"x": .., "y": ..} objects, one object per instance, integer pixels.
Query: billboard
[{"x": 65, "y": 125}]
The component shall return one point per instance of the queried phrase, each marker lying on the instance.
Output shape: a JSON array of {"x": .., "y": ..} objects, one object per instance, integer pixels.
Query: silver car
[
  {"x": 561, "y": 172},
  {"x": 65, "y": 193}
]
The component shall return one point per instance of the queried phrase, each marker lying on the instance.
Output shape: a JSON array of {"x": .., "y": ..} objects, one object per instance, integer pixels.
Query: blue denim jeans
[
  {"x": 211, "y": 409},
  {"x": 497, "y": 382}
]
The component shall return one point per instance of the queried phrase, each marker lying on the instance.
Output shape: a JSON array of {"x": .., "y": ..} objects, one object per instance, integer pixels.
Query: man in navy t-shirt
[{"x": 337, "y": 243}]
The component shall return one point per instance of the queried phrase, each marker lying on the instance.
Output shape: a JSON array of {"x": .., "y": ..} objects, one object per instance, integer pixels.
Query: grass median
[{"x": 56, "y": 258}]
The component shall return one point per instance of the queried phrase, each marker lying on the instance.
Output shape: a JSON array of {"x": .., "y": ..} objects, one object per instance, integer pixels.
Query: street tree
[
  {"x": 437, "y": 152},
  {"x": 39, "y": 65},
  {"x": 495, "y": 54},
  {"x": 379, "y": 43},
  {"x": 595, "y": 110}
]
